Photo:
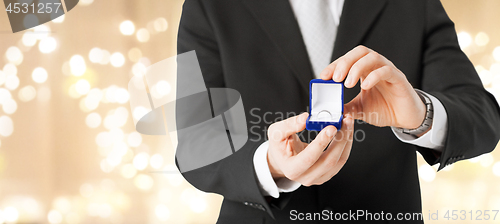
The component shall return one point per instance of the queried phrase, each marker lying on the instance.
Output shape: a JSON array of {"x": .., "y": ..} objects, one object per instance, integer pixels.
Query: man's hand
[
  {"x": 386, "y": 97},
  {"x": 308, "y": 164}
]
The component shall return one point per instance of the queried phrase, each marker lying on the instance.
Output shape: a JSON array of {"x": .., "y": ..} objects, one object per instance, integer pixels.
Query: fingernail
[
  {"x": 329, "y": 132},
  {"x": 347, "y": 81},
  {"x": 336, "y": 76}
]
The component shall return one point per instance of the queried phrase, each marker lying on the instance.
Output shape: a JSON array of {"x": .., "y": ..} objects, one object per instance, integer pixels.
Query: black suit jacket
[{"x": 255, "y": 47}]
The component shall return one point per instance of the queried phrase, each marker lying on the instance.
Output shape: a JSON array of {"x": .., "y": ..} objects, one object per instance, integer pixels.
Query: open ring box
[{"x": 326, "y": 104}]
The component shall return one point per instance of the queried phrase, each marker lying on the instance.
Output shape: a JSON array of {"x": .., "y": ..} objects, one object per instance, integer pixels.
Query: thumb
[{"x": 283, "y": 129}]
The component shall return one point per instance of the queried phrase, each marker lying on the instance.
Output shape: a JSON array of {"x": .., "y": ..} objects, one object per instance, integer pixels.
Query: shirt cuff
[
  {"x": 264, "y": 178},
  {"x": 434, "y": 138}
]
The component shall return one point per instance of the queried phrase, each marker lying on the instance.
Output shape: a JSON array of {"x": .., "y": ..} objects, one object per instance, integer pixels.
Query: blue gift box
[{"x": 326, "y": 104}]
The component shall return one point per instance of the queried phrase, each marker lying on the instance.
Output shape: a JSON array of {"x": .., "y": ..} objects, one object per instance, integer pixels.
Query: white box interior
[{"x": 326, "y": 97}]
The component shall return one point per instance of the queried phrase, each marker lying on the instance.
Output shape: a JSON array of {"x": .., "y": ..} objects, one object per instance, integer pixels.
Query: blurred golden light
[
  {"x": 4, "y": 95},
  {"x": 161, "y": 24},
  {"x": 10, "y": 214},
  {"x": 13, "y": 54},
  {"x": 2, "y": 77},
  {"x": 72, "y": 92},
  {"x": 93, "y": 120},
  {"x": 39, "y": 75},
  {"x": 11, "y": 82},
  {"x": 72, "y": 218},
  {"x": 96, "y": 55},
  {"x": 175, "y": 179},
  {"x": 128, "y": 171},
  {"x": 9, "y": 106},
  {"x": 162, "y": 212},
  {"x": 117, "y": 59},
  {"x": 29, "y": 39},
  {"x": 120, "y": 148},
  {"x": 9, "y": 69},
  {"x": 54, "y": 217},
  {"x": 105, "y": 57},
  {"x": 117, "y": 134},
  {"x": 62, "y": 204},
  {"x": 426, "y": 173},
  {"x": 65, "y": 68},
  {"x": 156, "y": 161},
  {"x": 82, "y": 87},
  {"x": 77, "y": 65},
  {"x": 47, "y": 45},
  {"x": 141, "y": 161},
  {"x": 127, "y": 28},
  {"x": 143, "y": 182},
  {"x": 486, "y": 160},
  {"x": 134, "y": 54},
  {"x": 93, "y": 209},
  {"x": 44, "y": 94},
  {"x": 143, "y": 35},
  {"x": 495, "y": 68},
  {"x": 139, "y": 69},
  {"x": 121, "y": 95},
  {"x": 482, "y": 39},
  {"x": 85, "y": 2},
  {"x": 486, "y": 77},
  {"x": 105, "y": 210},
  {"x": 86, "y": 190},
  {"x": 134, "y": 139},
  {"x": 116, "y": 118},
  {"x": 27, "y": 93},
  {"x": 496, "y": 169},
  {"x": 59, "y": 19},
  {"x": 93, "y": 98},
  {"x": 41, "y": 31},
  {"x": 106, "y": 167},
  {"x": 104, "y": 139},
  {"x": 151, "y": 27},
  {"x": 464, "y": 39},
  {"x": 164, "y": 195},
  {"x": 496, "y": 53},
  {"x": 145, "y": 61},
  {"x": 114, "y": 158},
  {"x": 198, "y": 205}
]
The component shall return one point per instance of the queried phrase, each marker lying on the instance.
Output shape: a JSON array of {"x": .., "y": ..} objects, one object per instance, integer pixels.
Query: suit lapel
[
  {"x": 357, "y": 18},
  {"x": 278, "y": 21}
]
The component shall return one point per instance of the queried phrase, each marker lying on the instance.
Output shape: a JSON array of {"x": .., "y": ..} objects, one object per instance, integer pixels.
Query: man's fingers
[
  {"x": 283, "y": 129},
  {"x": 305, "y": 159},
  {"x": 339, "y": 68},
  {"x": 330, "y": 157},
  {"x": 384, "y": 73},
  {"x": 362, "y": 67}
]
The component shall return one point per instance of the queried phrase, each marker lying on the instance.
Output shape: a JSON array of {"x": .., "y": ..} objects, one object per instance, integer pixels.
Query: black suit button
[{"x": 462, "y": 157}]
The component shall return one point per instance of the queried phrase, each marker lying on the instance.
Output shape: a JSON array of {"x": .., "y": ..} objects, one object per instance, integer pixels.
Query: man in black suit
[{"x": 262, "y": 49}]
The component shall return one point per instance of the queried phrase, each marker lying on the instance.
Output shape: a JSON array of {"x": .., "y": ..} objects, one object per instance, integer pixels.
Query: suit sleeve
[
  {"x": 473, "y": 113},
  {"x": 234, "y": 176}
]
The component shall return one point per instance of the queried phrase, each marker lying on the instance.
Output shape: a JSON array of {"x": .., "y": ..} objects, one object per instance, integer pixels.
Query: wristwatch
[{"x": 429, "y": 115}]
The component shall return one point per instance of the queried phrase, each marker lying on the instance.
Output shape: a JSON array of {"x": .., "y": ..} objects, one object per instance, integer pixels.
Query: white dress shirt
[{"x": 433, "y": 139}]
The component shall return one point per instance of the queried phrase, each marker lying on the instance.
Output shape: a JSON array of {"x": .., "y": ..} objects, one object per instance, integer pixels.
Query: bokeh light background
[{"x": 68, "y": 149}]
